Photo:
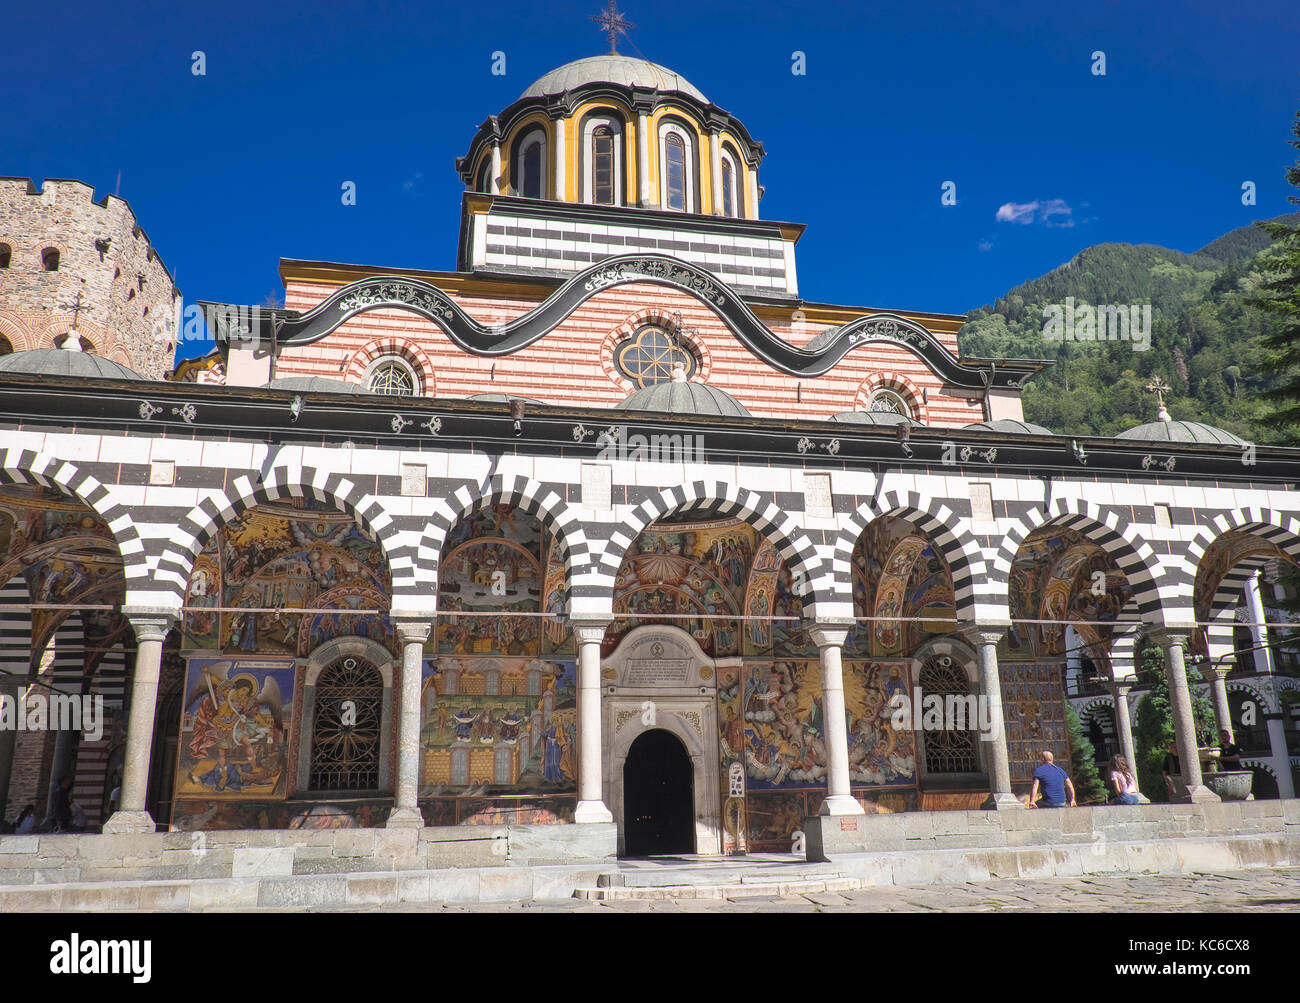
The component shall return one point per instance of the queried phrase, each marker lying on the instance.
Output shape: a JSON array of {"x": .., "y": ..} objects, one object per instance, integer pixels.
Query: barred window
[
  {"x": 393, "y": 377},
  {"x": 649, "y": 355},
  {"x": 950, "y": 750},
  {"x": 888, "y": 400},
  {"x": 345, "y": 732}
]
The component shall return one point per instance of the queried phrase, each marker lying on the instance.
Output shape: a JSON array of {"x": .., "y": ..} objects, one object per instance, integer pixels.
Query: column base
[
  {"x": 125, "y": 822},
  {"x": 1002, "y": 802},
  {"x": 592, "y": 811},
  {"x": 826, "y": 836},
  {"x": 404, "y": 818},
  {"x": 841, "y": 804},
  {"x": 1199, "y": 794}
]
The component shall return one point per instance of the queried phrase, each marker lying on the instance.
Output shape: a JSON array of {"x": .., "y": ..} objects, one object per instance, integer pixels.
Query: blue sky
[{"x": 230, "y": 171}]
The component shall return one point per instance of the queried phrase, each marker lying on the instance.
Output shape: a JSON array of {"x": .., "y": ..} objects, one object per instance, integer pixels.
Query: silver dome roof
[
  {"x": 63, "y": 362},
  {"x": 614, "y": 69}
]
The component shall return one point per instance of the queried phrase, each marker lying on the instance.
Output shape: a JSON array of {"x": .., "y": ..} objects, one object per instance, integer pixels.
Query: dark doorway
[{"x": 658, "y": 797}]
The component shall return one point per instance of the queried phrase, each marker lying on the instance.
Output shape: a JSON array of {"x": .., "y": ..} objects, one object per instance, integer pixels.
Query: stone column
[
  {"x": 591, "y": 749},
  {"x": 1180, "y": 699},
  {"x": 10, "y": 690},
  {"x": 559, "y": 159},
  {"x": 715, "y": 166},
  {"x": 986, "y": 639},
  {"x": 1255, "y": 609},
  {"x": 839, "y": 795},
  {"x": 150, "y": 632},
  {"x": 643, "y": 158},
  {"x": 406, "y": 811},
  {"x": 495, "y": 180},
  {"x": 1216, "y": 676},
  {"x": 1124, "y": 725},
  {"x": 1281, "y": 757}
]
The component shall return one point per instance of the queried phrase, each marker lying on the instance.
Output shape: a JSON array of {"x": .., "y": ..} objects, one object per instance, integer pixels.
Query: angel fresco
[{"x": 237, "y": 743}]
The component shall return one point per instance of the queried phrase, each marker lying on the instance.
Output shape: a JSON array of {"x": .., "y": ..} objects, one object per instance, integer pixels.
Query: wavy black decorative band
[{"x": 387, "y": 291}]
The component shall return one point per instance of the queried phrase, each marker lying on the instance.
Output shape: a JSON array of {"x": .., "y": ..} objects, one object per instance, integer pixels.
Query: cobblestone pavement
[{"x": 1238, "y": 891}]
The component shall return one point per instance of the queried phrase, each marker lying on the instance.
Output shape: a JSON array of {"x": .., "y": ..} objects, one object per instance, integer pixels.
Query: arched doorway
[{"x": 659, "y": 796}]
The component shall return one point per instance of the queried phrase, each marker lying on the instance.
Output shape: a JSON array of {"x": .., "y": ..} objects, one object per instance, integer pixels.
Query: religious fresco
[
  {"x": 1059, "y": 574},
  {"x": 529, "y": 810},
  {"x": 1222, "y": 556},
  {"x": 191, "y": 815},
  {"x": 898, "y": 573},
  {"x": 499, "y": 724},
  {"x": 693, "y": 575},
  {"x": 771, "y": 593},
  {"x": 236, "y": 725},
  {"x": 557, "y": 635},
  {"x": 491, "y": 562},
  {"x": 1033, "y": 709}
]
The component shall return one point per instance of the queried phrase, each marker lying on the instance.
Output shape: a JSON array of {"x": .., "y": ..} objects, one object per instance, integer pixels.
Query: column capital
[
  {"x": 1119, "y": 689},
  {"x": 151, "y": 625},
  {"x": 1168, "y": 636},
  {"x": 589, "y": 631},
  {"x": 412, "y": 631},
  {"x": 829, "y": 633},
  {"x": 986, "y": 632}
]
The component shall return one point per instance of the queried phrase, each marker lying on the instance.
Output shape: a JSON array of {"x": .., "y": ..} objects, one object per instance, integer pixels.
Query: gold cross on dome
[
  {"x": 612, "y": 23},
  {"x": 1158, "y": 387}
]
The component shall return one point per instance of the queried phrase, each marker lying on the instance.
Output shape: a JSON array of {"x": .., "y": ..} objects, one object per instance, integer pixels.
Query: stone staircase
[{"x": 755, "y": 876}]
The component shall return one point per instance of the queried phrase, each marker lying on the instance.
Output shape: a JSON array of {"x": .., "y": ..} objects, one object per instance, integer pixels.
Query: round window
[{"x": 392, "y": 377}]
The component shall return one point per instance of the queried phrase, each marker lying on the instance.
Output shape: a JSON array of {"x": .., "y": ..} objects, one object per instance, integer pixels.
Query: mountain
[{"x": 1201, "y": 337}]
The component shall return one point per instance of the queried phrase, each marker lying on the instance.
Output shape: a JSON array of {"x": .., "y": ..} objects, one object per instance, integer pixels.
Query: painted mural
[
  {"x": 1033, "y": 708},
  {"x": 898, "y": 573},
  {"x": 236, "y": 725},
  {"x": 499, "y": 724}
]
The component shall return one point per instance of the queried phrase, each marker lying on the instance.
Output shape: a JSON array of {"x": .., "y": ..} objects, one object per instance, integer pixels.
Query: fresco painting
[
  {"x": 1033, "y": 707},
  {"x": 898, "y": 573},
  {"x": 236, "y": 724}
]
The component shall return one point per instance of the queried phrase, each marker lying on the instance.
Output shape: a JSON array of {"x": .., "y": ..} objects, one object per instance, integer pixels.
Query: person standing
[{"x": 1055, "y": 783}]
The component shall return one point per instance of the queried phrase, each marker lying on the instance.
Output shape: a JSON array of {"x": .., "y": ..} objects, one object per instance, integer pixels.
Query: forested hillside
[{"x": 1202, "y": 338}]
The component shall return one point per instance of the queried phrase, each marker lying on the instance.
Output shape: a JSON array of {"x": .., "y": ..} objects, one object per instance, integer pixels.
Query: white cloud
[{"x": 1049, "y": 212}]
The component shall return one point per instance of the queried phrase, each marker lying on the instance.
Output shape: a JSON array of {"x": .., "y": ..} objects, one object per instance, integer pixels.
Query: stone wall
[{"x": 128, "y": 299}]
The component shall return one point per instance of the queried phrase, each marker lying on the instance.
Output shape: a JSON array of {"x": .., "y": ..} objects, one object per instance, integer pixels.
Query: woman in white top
[{"x": 1122, "y": 782}]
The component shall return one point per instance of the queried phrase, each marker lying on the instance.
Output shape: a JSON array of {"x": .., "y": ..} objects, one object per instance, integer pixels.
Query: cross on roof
[
  {"x": 1159, "y": 387},
  {"x": 612, "y": 23},
  {"x": 76, "y": 309}
]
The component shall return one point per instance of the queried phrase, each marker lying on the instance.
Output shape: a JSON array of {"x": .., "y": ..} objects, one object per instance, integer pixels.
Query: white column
[
  {"x": 495, "y": 180},
  {"x": 715, "y": 166},
  {"x": 839, "y": 793},
  {"x": 559, "y": 160},
  {"x": 1216, "y": 676},
  {"x": 406, "y": 811},
  {"x": 1281, "y": 758},
  {"x": 1124, "y": 725},
  {"x": 986, "y": 642},
  {"x": 1255, "y": 610},
  {"x": 753, "y": 192},
  {"x": 591, "y": 806},
  {"x": 643, "y": 158},
  {"x": 150, "y": 632},
  {"x": 1180, "y": 699}
]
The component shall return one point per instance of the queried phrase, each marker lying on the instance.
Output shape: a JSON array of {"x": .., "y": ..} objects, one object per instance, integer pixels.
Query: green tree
[
  {"x": 1088, "y": 785},
  {"x": 1279, "y": 294},
  {"x": 1153, "y": 728}
]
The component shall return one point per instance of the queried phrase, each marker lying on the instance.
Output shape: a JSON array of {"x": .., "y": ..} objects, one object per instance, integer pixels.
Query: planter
[{"x": 1230, "y": 785}]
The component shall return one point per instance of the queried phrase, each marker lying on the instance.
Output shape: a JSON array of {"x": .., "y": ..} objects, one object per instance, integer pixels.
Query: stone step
[
  {"x": 753, "y": 888},
  {"x": 679, "y": 877}
]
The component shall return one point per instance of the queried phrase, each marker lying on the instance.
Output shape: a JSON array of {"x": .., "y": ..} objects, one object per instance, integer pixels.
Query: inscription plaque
[{"x": 657, "y": 671}]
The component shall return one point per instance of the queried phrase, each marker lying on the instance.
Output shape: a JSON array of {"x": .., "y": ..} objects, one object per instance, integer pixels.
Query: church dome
[
  {"x": 1169, "y": 430},
  {"x": 612, "y": 69},
  {"x": 679, "y": 396},
  {"x": 883, "y": 418},
  {"x": 1011, "y": 426},
  {"x": 314, "y": 385},
  {"x": 65, "y": 362}
]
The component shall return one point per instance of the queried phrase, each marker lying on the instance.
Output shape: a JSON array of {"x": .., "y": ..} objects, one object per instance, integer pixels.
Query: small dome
[
  {"x": 314, "y": 385},
  {"x": 613, "y": 69},
  {"x": 65, "y": 362},
  {"x": 1181, "y": 431},
  {"x": 889, "y": 418},
  {"x": 502, "y": 398},
  {"x": 1011, "y": 426},
  {"x": 678, "y": 396}
]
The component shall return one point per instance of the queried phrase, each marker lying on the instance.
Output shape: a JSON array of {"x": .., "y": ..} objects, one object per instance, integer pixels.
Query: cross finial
[
  {"x": 612, "y": 23},
  {"x": 1159, "y": 387}
]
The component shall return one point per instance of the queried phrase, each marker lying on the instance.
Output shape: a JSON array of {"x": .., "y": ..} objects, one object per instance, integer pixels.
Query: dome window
[
  {"x": 601, "y": 169},
  {"x": 392, "y": 377},
  {"x": 678, "y": 179},
  {"x": 602, "y": 165},
  {"x": 888, "y": 400},
  {"x": 728, "y": 188},
  {"x": 50, "y": 259},
  {"x": 675, "y": 155},
  {"x": 530, "y": 165},
  {"x": 649, "y": 356}
]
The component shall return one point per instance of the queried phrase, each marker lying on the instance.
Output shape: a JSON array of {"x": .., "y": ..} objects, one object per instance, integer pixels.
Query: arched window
[
  {"x": 5, "y": 345},
  {"x": 728, "y": 188},
  {"x": 648, "y": 357},
  {"x": 6, "y": 255},
  {"x": 951, "y": 749},
  {"x": 484, "y": 175},
  {"x": 530, "y": 164},
  {"x": 602, "y": 165},
  {"x": 675, "y": 172},
  {"x": 50, "y": 259},
  {"x": 393, "y": 377},
  {"x": 889, "y": 400},
  {"x": 345, "y": 737}
]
